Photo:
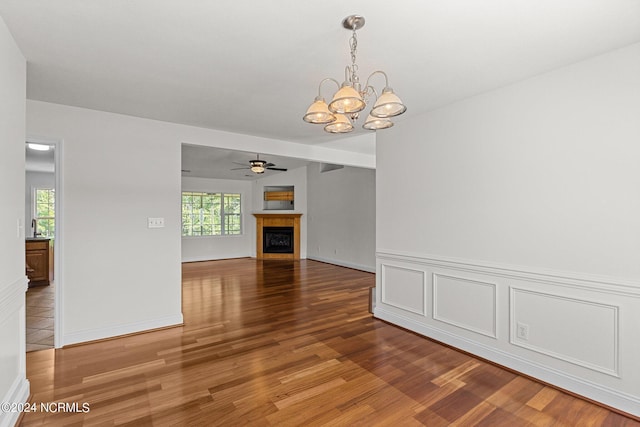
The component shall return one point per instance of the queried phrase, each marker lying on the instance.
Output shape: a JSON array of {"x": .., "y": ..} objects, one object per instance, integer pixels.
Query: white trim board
[
  {"x": 343, "y": 264},
  {"x": 125, "y": 329},
  {"x": 17, "y": 393},
  {"x": 585, "y": 281}
]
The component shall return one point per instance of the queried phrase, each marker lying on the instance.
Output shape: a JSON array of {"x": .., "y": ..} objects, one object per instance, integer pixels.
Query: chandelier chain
[{"x": 353, "y": 42}]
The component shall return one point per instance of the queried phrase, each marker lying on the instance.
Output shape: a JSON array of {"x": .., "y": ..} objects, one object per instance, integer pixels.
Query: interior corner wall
[
  {"x": 341, "y": 220},
  {"x": 14, "y": 387},
  {"x": 204, "y": 248},
  {"x": 298, "y": 179},
  {"x": 519, "y": 226}
]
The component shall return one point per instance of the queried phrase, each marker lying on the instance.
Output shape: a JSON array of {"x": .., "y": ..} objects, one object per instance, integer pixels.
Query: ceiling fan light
[
  {"x": 341, "y": 125},
  {"x": 347, "y": 100},
  {"x": 257, "y": 166},
  {"x": 319, "y": 113},
  {"x": 376, "y": 123},
  {"x": 388, "y": 105}
]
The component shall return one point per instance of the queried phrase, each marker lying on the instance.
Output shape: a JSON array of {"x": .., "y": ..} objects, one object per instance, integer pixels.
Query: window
[
  {"x": 45, "y": 211},
  {"x": 211, "y": 214}
]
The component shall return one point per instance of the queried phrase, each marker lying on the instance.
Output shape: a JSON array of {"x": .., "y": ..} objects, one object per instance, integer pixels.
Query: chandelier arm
[
  {"x": 373, "y": 90},
  {"x": 324, "y": 80},
  {"x": 386, "y": 78}
]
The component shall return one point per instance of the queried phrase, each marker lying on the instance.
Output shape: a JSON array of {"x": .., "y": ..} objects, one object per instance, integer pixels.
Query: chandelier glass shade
[
  {"x": 351, "y": 98},
  {"x": 388, "y": 105},
  {"x": 319, "y": 113},
  {"x": 347, "y": 100},
  {"x": 376, "y": 123},
  {"x": 341, "y": 124}
]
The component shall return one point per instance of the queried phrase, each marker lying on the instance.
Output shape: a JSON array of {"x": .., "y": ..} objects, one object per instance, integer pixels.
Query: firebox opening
[{"x": 277, "y": 240}]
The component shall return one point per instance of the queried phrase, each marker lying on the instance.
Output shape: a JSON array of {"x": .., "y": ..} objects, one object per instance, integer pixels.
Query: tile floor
[{"x": 40, "y": 317}]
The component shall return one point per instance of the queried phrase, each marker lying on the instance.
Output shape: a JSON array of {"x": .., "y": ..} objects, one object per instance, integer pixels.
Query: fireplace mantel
[{"x": 278, "y": 220}]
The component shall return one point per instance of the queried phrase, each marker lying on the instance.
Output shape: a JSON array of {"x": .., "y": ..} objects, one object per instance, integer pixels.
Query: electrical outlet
[
  {"x": 522, "y": 331},
  {"x": 155, "y": 222}
]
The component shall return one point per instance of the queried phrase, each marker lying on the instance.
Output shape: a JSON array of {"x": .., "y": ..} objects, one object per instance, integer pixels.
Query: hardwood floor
[{"x": 289, "y": 343}]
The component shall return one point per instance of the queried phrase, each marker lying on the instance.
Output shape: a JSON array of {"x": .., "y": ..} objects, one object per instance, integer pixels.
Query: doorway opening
[{"x": 42, "y": 237}]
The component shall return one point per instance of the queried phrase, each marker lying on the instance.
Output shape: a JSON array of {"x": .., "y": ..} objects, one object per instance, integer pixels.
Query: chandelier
[{"x": 351, "y": 98}]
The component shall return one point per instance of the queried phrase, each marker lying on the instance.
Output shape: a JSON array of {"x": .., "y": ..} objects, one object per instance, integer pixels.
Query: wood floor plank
[{"x": 289, "y": 343}]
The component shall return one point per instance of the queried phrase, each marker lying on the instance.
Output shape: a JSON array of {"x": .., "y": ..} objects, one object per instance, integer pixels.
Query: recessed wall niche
[{"x": 279, "y": 198}]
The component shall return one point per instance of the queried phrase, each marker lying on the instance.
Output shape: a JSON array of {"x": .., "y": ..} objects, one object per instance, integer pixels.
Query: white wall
[
  {"x": 297, "y": 178},
  {"x": 202, "y": 248},
  {"x": 523, "y": 212},
  {"x": 341, "y": 220},
  {"x": 14, "y": 386},
  {"x": 117, "y": 275},
  {"x": 34, "y": 180}
]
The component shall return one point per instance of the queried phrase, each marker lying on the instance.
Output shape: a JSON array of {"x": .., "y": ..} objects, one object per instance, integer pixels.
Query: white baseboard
[
  {"x": 347, "y": 264},
  {"x": 18, "y": 393},
  {"x": 114, "y": 331},
  {"x": 210, "y": 258},
  {"x": 613, "y": 398}
]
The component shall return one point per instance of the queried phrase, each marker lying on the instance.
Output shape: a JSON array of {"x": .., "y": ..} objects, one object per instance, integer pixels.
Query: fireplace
[
  {"x": 277, "y": 240},
  {"x": 278, "y": 235}
]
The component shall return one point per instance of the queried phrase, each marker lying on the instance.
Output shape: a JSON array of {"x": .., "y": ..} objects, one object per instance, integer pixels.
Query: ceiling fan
[{"x": 259, "y": 166}]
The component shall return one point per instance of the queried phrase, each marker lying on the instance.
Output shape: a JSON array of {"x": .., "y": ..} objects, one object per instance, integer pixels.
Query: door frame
[{"x": 58, "y": 249}]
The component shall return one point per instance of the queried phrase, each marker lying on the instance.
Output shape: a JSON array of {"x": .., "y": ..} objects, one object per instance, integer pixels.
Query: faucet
[{"x": 34, "y": 225}]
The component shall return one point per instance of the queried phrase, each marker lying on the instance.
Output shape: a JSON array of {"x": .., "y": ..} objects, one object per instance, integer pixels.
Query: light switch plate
[{"x": 155, "y": 222}]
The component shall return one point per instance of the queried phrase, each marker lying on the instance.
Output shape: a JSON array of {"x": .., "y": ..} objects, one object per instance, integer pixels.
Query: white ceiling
[
  {"x": 39, "y": 161},
  {"x": 253, "y": 66}
]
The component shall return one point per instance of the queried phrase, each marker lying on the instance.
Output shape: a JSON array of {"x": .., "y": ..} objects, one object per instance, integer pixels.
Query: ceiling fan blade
[
  {"x": 277, "y": 169},
  {"x": 241, "y": 164},
  {"x": 237, "y": 169},
  {"x": 268, "y": 165}
]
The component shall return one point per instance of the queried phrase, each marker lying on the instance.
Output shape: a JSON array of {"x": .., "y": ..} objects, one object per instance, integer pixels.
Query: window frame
[{"x": 223, "y": 215}]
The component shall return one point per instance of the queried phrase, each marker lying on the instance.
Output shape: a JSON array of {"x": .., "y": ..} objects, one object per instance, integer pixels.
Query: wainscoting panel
[
  {"x": 578, "y": 332},
  {"x": 467, "y": 304},
  {"x": 581, "y": 332},
  {"x": 14, "y": 386},
  {"x": 404, "y": 288}
]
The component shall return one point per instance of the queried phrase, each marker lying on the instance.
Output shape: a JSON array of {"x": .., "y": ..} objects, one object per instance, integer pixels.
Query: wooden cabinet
[
  {"x": 278, "y": 195},
  {"x": 279, "y": 198},
  {"x": 37, "y": 260}
]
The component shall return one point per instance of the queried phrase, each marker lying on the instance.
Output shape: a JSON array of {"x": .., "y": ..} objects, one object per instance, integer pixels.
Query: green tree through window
[
  {"x": 210, "y": 214},
  {"x": 45, "y": 211}
]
